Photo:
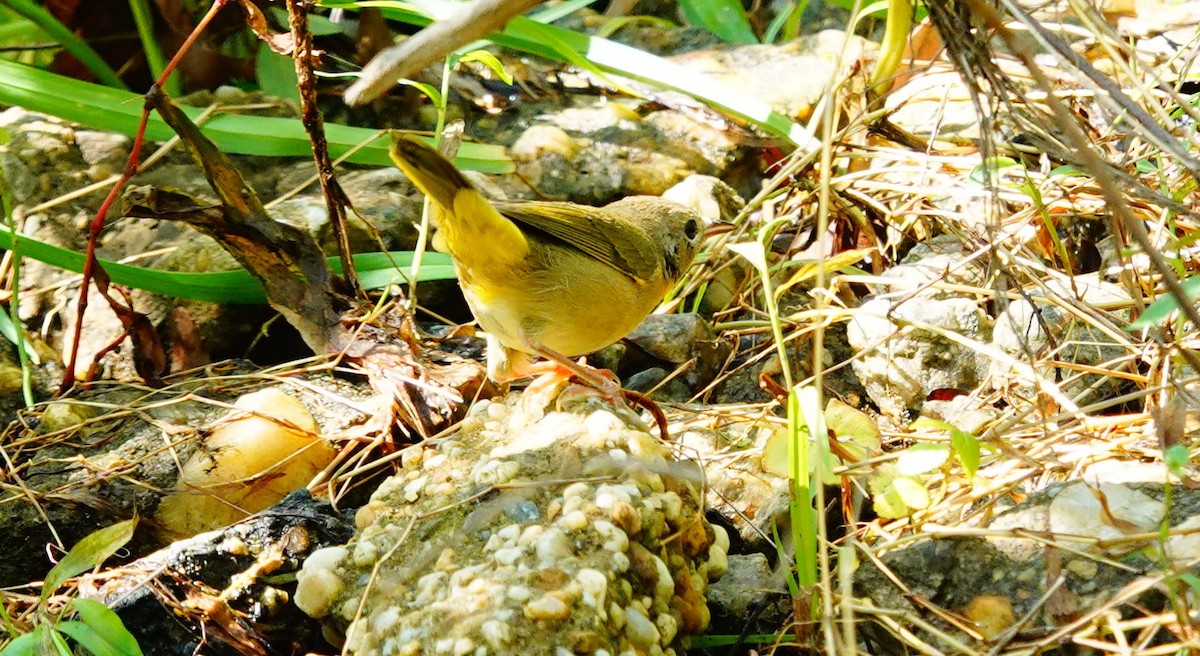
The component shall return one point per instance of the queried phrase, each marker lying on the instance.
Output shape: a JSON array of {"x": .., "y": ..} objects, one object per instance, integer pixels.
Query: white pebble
[
  {"x": 365, "y": 553},
  {"x": 434, "y": 460},
  {"x": 496, "y": 633},
  {"x": 667, "y": 627},
  {"x": 510, "y": 533},
  {"x": 547, "y": 607},
  {"x": 619, "y": 455},
  {"x": 412, "y": 491},
  {"x": 463, "y": 646},
  {"x": 619, "y": 562},
  {"x": 664, "y": 587},
  {"x": 530, "y": 535},
  {"x": 385, "y": 619},
  {"x": 639, "y": 628},
  {"x": 553, "y": 545},
  {"x": 594, "y": 585},
  {"x": 602, "y": 422},
  {"x": 444, "y": 645},
  {"x": 326, "y": 558},
  {"x": 509, "y": 555},
  {"x": 718, "y": 562},
  {"x": 575, "y": 520},
  {"x": 721, "y": 537},
  {"x": 576, "y": 490},
  {"x": 519, "y": 593},
  {"x": 672, "y": 505},
  {"x": 605, "y": 500}
]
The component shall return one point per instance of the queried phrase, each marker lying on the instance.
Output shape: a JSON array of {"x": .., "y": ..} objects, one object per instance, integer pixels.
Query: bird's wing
[{"x": 627, "y": 249}]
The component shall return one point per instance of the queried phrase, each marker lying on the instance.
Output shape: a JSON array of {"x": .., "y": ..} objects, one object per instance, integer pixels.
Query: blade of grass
[
  {"x": 375, "y": 270},
  {"x": 725, "y": 18},
  {"x": 119, "y": 111}
]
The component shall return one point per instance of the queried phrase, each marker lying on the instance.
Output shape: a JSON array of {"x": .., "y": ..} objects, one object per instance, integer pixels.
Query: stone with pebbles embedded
[{"x": 615, "y": 564}]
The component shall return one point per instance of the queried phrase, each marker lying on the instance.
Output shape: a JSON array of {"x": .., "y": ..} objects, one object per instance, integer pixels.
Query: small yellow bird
[{"x": 553, "y": 279}]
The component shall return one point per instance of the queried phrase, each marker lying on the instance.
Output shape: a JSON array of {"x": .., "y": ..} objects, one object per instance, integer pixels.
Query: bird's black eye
[{"x": 691, "y": 229}]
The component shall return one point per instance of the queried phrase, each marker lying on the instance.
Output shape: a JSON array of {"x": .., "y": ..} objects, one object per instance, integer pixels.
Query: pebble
[
  {"x": 575, "y": 520},
  {"x": 639, "y": 628},
  {"x": 547, "y": 607},
  {"x": 554, "y": 545},
  {"x": 509, "y": 555}
]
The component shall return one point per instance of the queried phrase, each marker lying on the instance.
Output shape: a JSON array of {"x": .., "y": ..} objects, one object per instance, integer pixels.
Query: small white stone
[
  {"x": 721, "y": 537},
  {"x": 605, "y": 500},
  {"x": 496, "y": 633},
  {"x": 463, "y": 646},
  {"x": 497, "y": 411},
  {"x": 619, "y": 561},
  {"x": 316, "y": 591},
  {"x": 672, "y": 505},
  {"x": 574, "y": 521},
  {"x": 563, "y": 651},
  {"x": 519, "y": 593},
  {"x": 594, "y": 585},
  {"x": 530, "y": 535},
  {"x": 444, "y": 645},
  {"x": 639, "y": 628},
  {"x": 509, "y": 555},
  {"x": 365, "y": 553},
  {"x": 667, "y": 627},
  {"x": 547, "y": 607},
  {"x": 577, "y": 489},
  {"x": 412, "y": 490},
  {"x": 326, "y": 558},
  {"x": 554, "y": 545},
  {"x": 434, "y": 460},
  {"x": 718, "y": 562},
  {"x": 510, "y": 533},
  {"x": 664, "y": 587},
  {"x": 385, "y": 619},
  {"x": 619, "y": 455},
  {"x": 571, "y": 504}
]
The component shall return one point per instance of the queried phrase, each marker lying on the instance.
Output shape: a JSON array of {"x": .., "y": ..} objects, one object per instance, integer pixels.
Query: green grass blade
[
  {"x": 119, "y": 111},
  {"x": 375, "y": 270},
  {"x": 1158, "y": 311},
  {"x": 725, "y": 18}
]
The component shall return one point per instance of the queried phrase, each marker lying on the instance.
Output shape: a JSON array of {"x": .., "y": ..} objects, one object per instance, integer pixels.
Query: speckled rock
[{"x": 525, "y": 532}]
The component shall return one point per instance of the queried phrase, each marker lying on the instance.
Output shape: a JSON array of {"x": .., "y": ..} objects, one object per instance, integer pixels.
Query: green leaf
[
  {"x": 921, "y": 458},
  {"x": 488, "y": 59},
  {"x": 966, "y": 446},
  {"x": 1158, "y": 311},
  {"x": 375, "y": 271},
  {"x": 431, "y": 92},
  {"x": 911, "y": 492},
  {"x": 276, "y": 75},
  {"x": 119, "y": 111},
  {"x": 1176, "y": 458},
  {"x": 88, "y": 553},
  {"x": 725, "y": 18},
  {"x": 26, "y": 644},
  {"x": 101, "y": 631}
]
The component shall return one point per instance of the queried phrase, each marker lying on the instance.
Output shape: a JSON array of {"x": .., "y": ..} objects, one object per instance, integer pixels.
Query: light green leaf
[
  {"x": 914, "y": 495},
  {"x": 1158, "y": 311},
  {"x": 105, "y": 634},
  {"x": 431, "y": 92},
  {"x": 488, "y": 59},
  {"x": 23, "y": 645},
  {"x": 921, "y": 458},
  {"x": 276, "y": 75},
  {"x": 966, "y": 446},
  {"x": 725, "y": 18},
  {"x": 88, "y": 553}
]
